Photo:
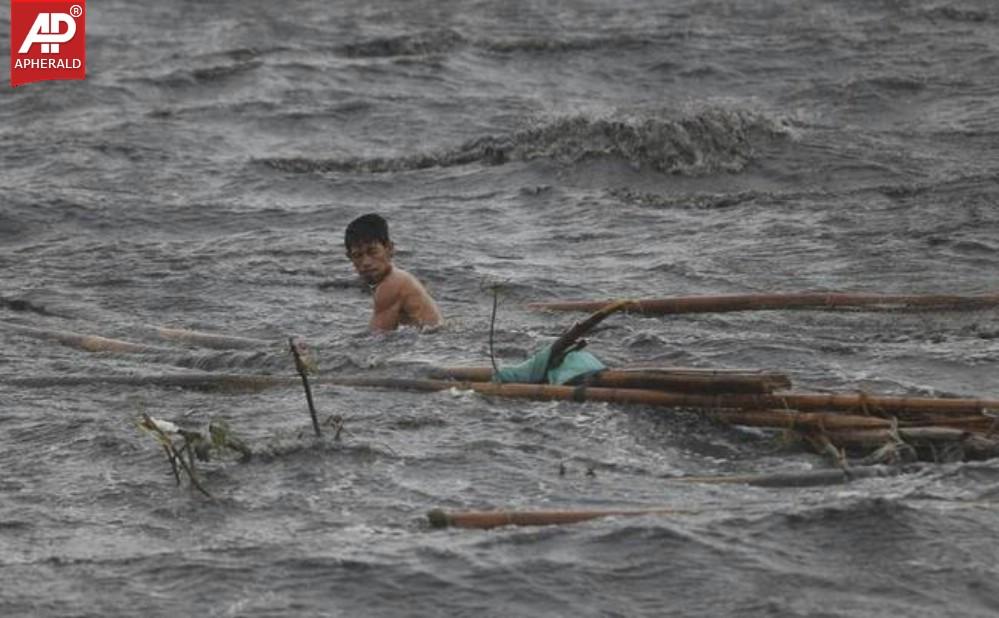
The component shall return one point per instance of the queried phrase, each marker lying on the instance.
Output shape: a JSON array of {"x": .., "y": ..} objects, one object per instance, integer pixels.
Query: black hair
[{"x": 366, "y": 228}]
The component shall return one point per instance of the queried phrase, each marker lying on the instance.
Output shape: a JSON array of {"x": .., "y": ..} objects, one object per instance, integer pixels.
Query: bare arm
[{"x": 387, "y": 306}]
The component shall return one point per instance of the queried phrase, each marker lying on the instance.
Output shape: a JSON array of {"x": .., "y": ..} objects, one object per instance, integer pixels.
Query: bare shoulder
[
  {"x": 418, "y": 307},
  {"x": 405, "y": 280},
  {"x": 392, "y": 287}
]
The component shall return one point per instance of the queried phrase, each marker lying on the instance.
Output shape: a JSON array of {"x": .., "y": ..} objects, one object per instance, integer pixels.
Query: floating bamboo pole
[
  {"x": 211, "y": 381},
  {"x": 221, "y": 381},
  {"x": 846, "y": 402},
  {"x": 791, "y": 301},
  {"x": 90, "y": 343},
  {"x": 671, "y": 379},
  {"x": 484, "y": 520}
]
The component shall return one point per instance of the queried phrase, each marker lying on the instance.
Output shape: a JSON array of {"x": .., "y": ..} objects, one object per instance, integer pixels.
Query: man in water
[{"x": 400, "y": 298}]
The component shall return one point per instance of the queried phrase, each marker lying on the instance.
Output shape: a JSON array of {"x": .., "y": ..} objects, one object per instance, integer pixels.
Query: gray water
[{"x": 202, "y": 175}]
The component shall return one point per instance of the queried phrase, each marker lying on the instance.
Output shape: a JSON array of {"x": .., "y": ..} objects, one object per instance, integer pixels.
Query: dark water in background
[{"x": 202, "y": 175}]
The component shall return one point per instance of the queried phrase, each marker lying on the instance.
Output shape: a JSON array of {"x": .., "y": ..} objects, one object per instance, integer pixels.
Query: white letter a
[{"x": 42, "y": 33}]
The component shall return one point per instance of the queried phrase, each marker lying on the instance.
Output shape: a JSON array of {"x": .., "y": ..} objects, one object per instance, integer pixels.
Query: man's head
[{"x": 369, "y": 248}]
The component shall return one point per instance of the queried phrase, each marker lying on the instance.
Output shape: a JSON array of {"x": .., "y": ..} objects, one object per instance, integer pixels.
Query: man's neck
[{"x": 388, "y": 274}]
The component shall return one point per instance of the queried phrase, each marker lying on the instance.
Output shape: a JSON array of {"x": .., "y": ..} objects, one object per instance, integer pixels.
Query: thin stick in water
[
  {"x": 492, "y": 329},
  {"x": 300, "y": 366}
]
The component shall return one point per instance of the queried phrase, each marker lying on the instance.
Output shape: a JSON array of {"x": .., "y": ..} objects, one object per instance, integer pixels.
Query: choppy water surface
[{"x": 202, "y": 175}]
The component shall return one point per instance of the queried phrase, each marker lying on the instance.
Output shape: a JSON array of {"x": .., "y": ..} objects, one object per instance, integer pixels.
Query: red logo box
[{"x": 47, "y": 40}]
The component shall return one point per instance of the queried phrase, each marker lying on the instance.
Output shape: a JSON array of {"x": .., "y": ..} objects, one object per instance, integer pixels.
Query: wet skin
[{"x": 400, "y": 299}]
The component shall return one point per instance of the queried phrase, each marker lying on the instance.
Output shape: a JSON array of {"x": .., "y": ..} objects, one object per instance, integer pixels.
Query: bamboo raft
[
  {"x": 838, "y": 424},
  {"x": 859, "y": 432}
]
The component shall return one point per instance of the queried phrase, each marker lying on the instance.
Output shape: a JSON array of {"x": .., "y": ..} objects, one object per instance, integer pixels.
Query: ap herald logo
[{"x": 47, "y": 40}]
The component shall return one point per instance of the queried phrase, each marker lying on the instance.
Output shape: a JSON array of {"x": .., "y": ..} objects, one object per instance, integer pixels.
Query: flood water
[{"x": 201, "y": 177}]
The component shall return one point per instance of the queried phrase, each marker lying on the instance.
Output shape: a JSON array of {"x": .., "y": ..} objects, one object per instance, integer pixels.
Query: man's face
[{"x": 371, "y": 260}]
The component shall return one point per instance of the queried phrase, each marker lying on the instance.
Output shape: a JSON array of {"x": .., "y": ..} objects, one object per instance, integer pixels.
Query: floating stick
[
  {"x": 766, "y": 302},
  {"x": 484, "y": 520},
  {"x": 567, "y": 340}
]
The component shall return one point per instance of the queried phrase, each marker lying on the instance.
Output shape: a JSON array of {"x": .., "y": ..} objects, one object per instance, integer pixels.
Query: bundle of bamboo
[
  {"x": 879, "y": 428},
  {"x": 895, "y": 427}
]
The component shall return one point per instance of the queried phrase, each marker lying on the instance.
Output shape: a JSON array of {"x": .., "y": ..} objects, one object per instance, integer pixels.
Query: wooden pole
[
  {"x": 670, "y": 379},
  {"x": 484, "y": 520},
  {"x": 814, "y": 402},
  {"x": 220, "y": 381},
  {"x": 830, "y": 301},
  {"x": 90, "y": 343}
]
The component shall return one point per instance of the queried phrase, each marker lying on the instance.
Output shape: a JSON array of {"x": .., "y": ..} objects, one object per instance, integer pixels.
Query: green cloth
[{"x": 575, "y": 364}]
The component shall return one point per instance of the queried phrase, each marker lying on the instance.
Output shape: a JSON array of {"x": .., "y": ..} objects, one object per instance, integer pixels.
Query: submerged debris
[{"x": 177, "y": 443}]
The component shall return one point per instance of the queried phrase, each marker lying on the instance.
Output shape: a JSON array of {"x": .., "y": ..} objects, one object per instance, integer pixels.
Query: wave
[
  {"x": 957, "y": 14},
  {"x": 25, "y": 305},
  {"x": 984, "y": 183},
  {"x": 214, "y": 73},
  {"x": 555, "y": 45},
  {"x": 711, "y": 141},
  {"x": 11, "y": 228},
  {"x": 431, "y": 42},
  {"x": 446, "y": 40},
  {"x": 708, "y": 201}
]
